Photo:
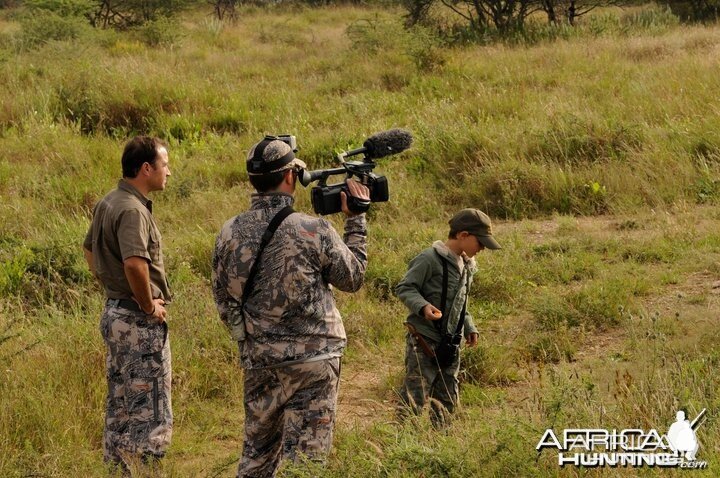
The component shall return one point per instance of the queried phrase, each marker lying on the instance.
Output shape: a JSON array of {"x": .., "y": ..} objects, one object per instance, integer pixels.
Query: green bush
[
  {"x": 180, "y": 127},
  {"x": 42, "y": 26},
  {"x": 552, "y": 311},
  {"x": 371, "y": 35},
  {"x": 575, "y": 140},
  {"x": 425, "y": 49},
  {"x": 94, "y": 102},
  {"x": 605, "y": 304},
  {"x": 694, "y": 11},
  {"x": 13, "y": 270},
  {"x": 707, "y": 185},
  {"x": 64, "y": 8},
  {"x": 421, "y": 45},
  {"x": 654, "y": 18},
  {"x": 163, "y": 31},
  {"x": 555, "y": 347},
  {"x": 487, "y": 365}
]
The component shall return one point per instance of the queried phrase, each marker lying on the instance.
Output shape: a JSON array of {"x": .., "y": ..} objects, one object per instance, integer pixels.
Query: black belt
[{"x": 125, "y": 304}]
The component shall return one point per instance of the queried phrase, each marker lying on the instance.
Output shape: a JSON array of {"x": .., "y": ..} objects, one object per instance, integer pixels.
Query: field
[{"x": 596, "y": 150}]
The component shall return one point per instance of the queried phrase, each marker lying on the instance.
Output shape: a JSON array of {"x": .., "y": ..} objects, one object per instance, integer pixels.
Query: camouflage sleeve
[
  {"x": 409, "y": 289},
  {"x": 344, "y": 262},
  {"x": 223, "y": 300},
  {"x": 219, "y": 285}
]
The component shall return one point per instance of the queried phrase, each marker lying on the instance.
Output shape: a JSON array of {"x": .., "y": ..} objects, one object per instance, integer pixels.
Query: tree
[
  {"x": 225, "y": 9},
  {"x": 696, "y": 10},
  {"x": 503, "y": 15},
  {"x": 129, "y": 13},
  {"x": 572, "y": 9},
  {"x": 508, "y": 15}
]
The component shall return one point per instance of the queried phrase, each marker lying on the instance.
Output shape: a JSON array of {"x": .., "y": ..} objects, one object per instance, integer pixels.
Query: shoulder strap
[
  {"x": 443, "y": 294},
  {"x": 461, "y": 322},
  {"x": 267, "y": 235},
  {"x": 443, "y": 300}
]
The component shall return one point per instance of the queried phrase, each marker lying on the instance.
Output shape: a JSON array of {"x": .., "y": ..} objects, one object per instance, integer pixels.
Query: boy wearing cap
[
  {"x": 289, "y": 331},
  {"x": 435, "y": 290}
]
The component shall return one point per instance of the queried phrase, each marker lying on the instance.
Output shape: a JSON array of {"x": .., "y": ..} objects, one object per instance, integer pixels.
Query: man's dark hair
[
  {"x": 138, "y": 151},
  {"x": 267, "y": 182}
]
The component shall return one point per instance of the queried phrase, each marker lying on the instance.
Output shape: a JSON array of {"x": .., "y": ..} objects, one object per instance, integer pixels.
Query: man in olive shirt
[{"x": 123, "y": 250}]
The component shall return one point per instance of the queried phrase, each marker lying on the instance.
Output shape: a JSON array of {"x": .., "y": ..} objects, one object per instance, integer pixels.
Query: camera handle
[{"x": 356, "y": 205}]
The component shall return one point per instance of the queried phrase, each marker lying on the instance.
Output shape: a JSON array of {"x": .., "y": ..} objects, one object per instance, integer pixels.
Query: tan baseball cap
[
  {"x": 271, "y": 156},
  {"x": 476, "y": 223}
]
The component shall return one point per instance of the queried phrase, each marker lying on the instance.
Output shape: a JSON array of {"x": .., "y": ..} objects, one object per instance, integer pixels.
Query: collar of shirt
[
  {"x": 126, "y": 186},
  {"x": 462, "y": 260},
  {"x": 443, "y": 249},
  {"x": 271, "y": 200}
]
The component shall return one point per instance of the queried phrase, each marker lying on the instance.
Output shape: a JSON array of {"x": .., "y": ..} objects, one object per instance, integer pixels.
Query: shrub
[
  {"x": 553, "y": 312},
  {"x": 161, "y": 32},
  {"x": 371, "y": 35},
  {"x": 13, "y": 270},
  {"x": 654, "y": 18},
  {"x": 64, "y": 8},
  {"x": 486, "y": 365},
  {"x": 572, "y": 140},
  {"x": 603, "y": 304},
  {"x": 180, "y": 127},
  {"x": 706, "y": 187},
  {"x": 552, "y": 348},
  {"x": 133, "y": 13},
  {"x": 424, "y": 47},
  {"x": 93, "y": 103},
  {"x": 693, "y": 11},
  {"x": 42, "y": 26}
]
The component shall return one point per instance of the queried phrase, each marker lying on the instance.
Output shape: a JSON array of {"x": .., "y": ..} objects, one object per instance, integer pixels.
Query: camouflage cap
[
  {"x": 273, "y": 155},
  {"x": 476, "y": 223}
]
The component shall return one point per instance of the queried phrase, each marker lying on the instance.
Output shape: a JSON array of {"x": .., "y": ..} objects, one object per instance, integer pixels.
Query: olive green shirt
[
  {"x": 123, "y": 227},
  {"x": 422, "y": 285}
]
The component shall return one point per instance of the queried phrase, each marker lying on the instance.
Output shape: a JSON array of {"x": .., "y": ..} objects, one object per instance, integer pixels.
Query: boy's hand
[
  {"x": 430, "y": 312},
  {"x": 472, "y": 340}
]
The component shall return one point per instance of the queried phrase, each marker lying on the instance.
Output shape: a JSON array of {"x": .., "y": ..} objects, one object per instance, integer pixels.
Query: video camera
[{"x": 326, "y": 198}]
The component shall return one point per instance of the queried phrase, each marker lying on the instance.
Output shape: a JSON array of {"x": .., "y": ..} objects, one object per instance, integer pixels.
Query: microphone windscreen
[{"x": 387, "y": 142}]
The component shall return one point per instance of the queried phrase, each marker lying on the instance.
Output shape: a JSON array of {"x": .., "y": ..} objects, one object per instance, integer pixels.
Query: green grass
[{"x": 596, "y": 151}]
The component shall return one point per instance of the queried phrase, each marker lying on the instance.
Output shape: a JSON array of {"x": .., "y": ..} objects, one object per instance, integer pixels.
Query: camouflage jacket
[{"x": 290, "y": 314}]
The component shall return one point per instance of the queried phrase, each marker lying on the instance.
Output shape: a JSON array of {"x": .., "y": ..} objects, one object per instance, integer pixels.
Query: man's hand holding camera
[
  {"x": 356, "y": 190},
  {"x": 327, "y": 198}
]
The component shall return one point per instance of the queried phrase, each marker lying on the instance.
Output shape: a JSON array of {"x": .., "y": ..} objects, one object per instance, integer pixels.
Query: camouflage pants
[
  {"x": 138, "y": 419},
  {"x": 425, "y": 381},
  {"x": 289, "y": 411}
]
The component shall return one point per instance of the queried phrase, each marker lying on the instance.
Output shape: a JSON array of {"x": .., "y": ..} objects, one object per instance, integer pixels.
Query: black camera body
[{"x": 326, "y": 199}]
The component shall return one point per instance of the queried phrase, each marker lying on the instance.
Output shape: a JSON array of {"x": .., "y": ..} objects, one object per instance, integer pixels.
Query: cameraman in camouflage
[{"x": 290, "y": 333}]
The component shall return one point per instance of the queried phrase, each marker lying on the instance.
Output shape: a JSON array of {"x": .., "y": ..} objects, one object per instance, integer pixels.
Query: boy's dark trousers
[{"x": 426, "y": 381}]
